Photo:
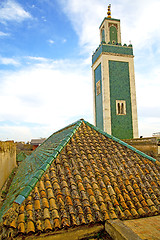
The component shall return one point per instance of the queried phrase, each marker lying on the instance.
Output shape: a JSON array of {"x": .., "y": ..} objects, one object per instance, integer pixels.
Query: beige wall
[{"x": 7, "y": 160}]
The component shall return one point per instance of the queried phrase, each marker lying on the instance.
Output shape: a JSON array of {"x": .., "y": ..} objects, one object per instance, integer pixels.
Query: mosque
[{"x": 83, "y": 182}]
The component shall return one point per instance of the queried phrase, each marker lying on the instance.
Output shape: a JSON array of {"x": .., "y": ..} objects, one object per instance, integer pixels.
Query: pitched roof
[{"x": 81, "y": 175}]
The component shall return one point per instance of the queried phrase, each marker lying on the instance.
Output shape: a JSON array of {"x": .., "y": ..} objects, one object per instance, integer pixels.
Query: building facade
[{"x": 115, "y": 108}]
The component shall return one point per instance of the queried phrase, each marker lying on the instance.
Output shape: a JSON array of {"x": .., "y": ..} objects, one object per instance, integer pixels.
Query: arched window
[
  {"x": 113, "y": 35},
  {"x": 121, "y": 107},
  {"x": 103, "y": 36}
]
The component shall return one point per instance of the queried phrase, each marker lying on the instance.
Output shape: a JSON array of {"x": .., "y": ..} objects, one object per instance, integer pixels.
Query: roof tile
[{"x": 94, "y": 177}]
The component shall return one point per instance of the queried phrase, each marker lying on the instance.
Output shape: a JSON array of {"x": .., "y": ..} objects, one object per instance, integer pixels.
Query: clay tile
[
  {"x": 36, "y": 193},
  {"x": 21, "y": 228},
  {"x": 46, "y": 213},
  {"x": 73, "y": 220},
  {"x": 56, "y": 223},
  {"x": 95, "y": 207},
  {"x": 154, "y": 209},
  {"x": 47, "y": 225},
  {"x": 13, "y": 224},
  {"x": 137, "y": 191},
  {"x": 69, "y": 200},
  {"x": 65, "y": 223},
  {"x": 48, "y": 184},
  {"x": 89, "y": 218},
  {"x": 128, "y": 214},
  {"x": 90, "y": 192},
  {"x": 37, "y": 205},
  {"x": 141, "y": 212},
  {"x": 38, "y": 225},
  {"x": 55, "y": 214},
  {"x": 29, "y": 198},
  {"x": 64, "y": 184},
  {"x": 45, "y": 203},
  {"x": 21, "y": 218},
  {"x": 106, "y": 216},
  {"x": 149, "y": 202},
  {"x": 30, "y": 227},
  {"x": 30, "y": 215},
  {"x": 50, "y": 193},
  {"x": 52, "y": 204},
  {"x": 56, "y": 186},
  {"x": 124, "y": 206},
  {"x": 80, "y": 186},
  {"x": 111, "y": 191},
  {"x": 21, "y": 209},
  {"x": 41, "y": 186},
  {"x": 82, "y": 219},
  {"x": 79, "y": 210},
  {"x": 77, "y": 202},
  {"x": 134, "y": 213},
  {"x": 29, "y": 207}
]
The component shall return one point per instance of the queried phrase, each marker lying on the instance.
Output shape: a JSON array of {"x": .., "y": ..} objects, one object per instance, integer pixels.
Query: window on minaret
[
  {"x": 98, "y": 87},
  {"x": 103, "y": 36},
  {"x": 120, "y": 107},
  {"x": 113, "y": 35}
]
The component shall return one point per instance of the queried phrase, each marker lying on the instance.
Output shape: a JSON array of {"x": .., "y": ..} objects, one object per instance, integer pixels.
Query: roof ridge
[
  {"x": 39, "y": 173},
  {"x": 121, "y": 142}
]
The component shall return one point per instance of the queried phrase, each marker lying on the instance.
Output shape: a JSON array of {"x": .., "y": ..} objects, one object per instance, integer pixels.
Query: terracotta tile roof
[{"x": 85, "y": 177}]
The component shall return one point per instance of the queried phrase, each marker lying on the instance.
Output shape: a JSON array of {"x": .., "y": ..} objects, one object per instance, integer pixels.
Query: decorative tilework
[
  {"x": 109, "y": 48},
  {"x": 120, "y": 90}
]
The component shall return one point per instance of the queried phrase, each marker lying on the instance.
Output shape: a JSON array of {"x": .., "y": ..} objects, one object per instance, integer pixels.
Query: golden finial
[{"x": 109, "y": 11}]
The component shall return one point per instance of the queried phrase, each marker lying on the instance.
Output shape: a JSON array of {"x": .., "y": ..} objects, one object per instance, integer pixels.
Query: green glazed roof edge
[
  {"x": 121, "y": 142},
  {"x": 46, "y": 165}
]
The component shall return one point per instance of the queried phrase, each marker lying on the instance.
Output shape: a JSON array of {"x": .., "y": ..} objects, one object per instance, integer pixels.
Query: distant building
[
  {"x": 157, "y": 135},
  {"x": 37, "y": 142}
]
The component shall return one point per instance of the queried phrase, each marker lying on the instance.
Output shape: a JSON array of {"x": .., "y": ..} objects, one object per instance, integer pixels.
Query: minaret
[{"x": 115, "y": 108}]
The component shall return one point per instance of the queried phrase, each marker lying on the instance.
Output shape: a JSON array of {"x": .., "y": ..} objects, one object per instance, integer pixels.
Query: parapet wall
[
  {"x": 7, "y": 160},
  {"x": 150, "y": 146}
]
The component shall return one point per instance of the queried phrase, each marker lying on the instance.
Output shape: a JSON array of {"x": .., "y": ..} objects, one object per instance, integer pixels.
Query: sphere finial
[{"x": 109, "y": 11}]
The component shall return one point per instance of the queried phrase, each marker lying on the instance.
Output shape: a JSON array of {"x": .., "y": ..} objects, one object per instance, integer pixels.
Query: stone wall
[{"x": 7, "y": 160}]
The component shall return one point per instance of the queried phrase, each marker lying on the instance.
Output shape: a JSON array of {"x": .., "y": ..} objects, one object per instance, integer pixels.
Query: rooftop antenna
[{"x": 109, "y": 11}]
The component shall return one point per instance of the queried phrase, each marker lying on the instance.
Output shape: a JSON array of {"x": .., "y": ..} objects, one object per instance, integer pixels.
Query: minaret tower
[{"x": 115, "y": 108}]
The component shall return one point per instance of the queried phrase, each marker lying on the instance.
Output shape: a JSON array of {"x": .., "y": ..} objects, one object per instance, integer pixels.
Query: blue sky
[{"x": 45, "y": 62}]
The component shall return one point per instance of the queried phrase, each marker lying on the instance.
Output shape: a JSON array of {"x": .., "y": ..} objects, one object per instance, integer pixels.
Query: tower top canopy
[{"x": 109, "y": 11}]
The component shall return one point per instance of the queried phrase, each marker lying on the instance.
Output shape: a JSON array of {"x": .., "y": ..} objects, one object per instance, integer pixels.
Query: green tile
[
  {"x": 59, "y": 148},
  {"x": 33, "y": 182},
  {"x": 39, "y": 174},
  {"x": 45, "y": 166},
  {"x": 50, "y": 160},
  {"x": 55, "y": 154},
  {"x": 26, "y": 191},
  {"x": 19, "y": 199}
]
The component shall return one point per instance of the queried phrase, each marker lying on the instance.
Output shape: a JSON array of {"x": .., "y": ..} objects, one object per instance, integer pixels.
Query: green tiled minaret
[{"x": 115, "y": 108}]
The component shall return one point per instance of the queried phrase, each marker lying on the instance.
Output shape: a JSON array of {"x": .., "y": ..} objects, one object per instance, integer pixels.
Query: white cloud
[
  {"x": 9, "y": 61},
  {"x": 10, "y": 10},
  {"x": 2, "y": 34},
  {"x": 50, "y": 94},
  {"x": 85, "y": 17},
  {"x": 50, "y": 41}
]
